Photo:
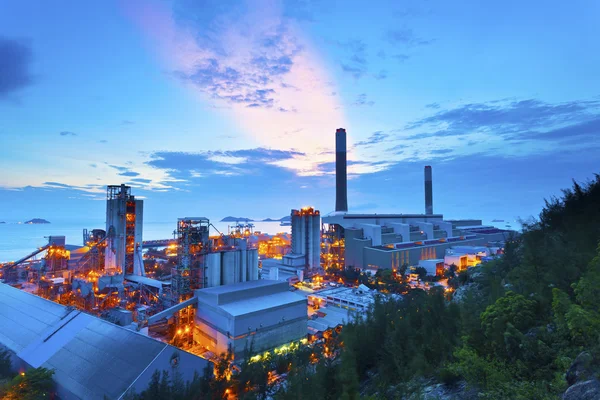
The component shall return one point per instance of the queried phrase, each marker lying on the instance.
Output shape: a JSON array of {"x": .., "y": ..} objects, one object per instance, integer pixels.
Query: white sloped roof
[{"x": 92, "y": 358}]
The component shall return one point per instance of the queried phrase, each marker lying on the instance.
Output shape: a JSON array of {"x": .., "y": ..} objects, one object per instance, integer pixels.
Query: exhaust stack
[
  {"x": 428, "y": 191},
  {"x": 341, "y": 183}
]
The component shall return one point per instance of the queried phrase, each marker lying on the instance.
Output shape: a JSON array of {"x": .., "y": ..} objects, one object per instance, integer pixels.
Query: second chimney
[
  {"x": 341, "y": 183},
  {"x": 428, "y": 191}
]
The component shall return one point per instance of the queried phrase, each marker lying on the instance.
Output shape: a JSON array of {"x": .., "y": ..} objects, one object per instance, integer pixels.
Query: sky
[{"x": 226, "y": 107}]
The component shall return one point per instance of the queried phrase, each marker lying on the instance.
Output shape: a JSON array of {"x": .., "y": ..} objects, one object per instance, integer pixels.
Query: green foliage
[
  {"x": 505, "y": 320},
  {"x": 5, "y": 363},
  {"x": 34, "y": 384}
]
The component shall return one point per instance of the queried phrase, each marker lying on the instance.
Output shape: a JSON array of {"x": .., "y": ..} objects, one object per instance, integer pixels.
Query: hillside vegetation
[{"x": 518, "y": 327}]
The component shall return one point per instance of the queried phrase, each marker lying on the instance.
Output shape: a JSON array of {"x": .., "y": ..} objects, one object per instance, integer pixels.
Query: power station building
[
  {"x": 257, "y": 315},
  {"x": 305, "y": 256},
  {"x": 124, "y": 224},
  {"x": 306, "y": 236},
  {"x": 388, "y": 241}
]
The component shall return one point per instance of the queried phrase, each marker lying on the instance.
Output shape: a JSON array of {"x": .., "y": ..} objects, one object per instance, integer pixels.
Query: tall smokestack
[
  {"x": 341, "y": 184},
  {"x": 428, "y": 191}
]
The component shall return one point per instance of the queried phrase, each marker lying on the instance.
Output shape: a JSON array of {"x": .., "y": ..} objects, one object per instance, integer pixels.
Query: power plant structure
[
  {"x": 204, "y": 261},
  {"x": 124, "y": 225},
  {"x": 306, "y": 236},
  {"x": 389, "y": 241},
  {"x": 341, "y": 181},
  {"x": 428, "y": 191}
]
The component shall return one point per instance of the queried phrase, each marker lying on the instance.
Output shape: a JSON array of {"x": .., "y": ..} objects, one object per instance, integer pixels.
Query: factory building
[
  {"x": 260, "y": 315},
  {"x": 305, "y": 257},
  {"x": 388, "y": 241},
  {"x": 204, "y": 262},
  {"x": 226, "y": 267},
  {"x": 306, "y": 237},
  {"x": 91, "y": 358},
  {"x": 124, "y": 224}
]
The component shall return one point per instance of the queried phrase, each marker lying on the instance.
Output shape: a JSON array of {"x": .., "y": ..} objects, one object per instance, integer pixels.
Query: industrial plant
[{"x": 203, "y": 295}]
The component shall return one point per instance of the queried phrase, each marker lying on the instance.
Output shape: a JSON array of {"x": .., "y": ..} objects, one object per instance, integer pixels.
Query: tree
[
  {"x": 451, "y": 271},
  {"x": 422, "y": 272},
  {"x": 35, "y": 384},
  {"x": 513, "y": 309},
  {"x": 5, "y": 363}
]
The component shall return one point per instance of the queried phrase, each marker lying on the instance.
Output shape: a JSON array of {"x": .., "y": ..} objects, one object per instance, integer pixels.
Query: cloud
[
  {"x": 15, "y": 71},
  {"x": 127, "y": 122},
  {"x": 361, "y": 100},
  {"x": 356, "y": 61},
  {"x": 57, "y": 185},
  {"x": 441, "y": 151},
  {"x": 141, "y": 180},
  {"x": 185, "y": 165},
  {"x": 376, "y": 137},
  {"x": 129, "y": 173},
  {"x": 517, "y": 120},
  {"x": 67, "y": 133},
  {"x": 356, "y": 71},
  {"x": 405, "y": 37},
  {"x": 401, "y": 57},
  {"x": 381, "y": 75},
  {"x": 265, "y": 77},
  {"x": 435, "y": 106},
  {"x": 119, "y": 168}
]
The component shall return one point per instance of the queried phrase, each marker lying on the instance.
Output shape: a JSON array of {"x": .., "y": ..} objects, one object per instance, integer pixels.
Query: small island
[
  {"x": 37, "y": 221},
  {"x": 236, "y": 219}
]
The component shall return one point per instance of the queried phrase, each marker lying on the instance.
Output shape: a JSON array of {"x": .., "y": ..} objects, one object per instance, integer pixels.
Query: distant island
[
  {"x": 37, "y": 221},
  {"x": 236, "y": 219},
  {"x": 497, "y": 220}
]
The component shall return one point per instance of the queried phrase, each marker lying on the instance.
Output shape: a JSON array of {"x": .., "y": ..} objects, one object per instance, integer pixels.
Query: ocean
[{"x": 18, "y": 240}]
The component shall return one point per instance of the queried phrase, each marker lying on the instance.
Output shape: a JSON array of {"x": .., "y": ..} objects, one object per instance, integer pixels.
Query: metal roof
[
  {"x": 262, "y": 303},
  {"x": 147, "y": 281},
  {"x": 92, "y": 358},
  {"x": 236, "y": 287}
]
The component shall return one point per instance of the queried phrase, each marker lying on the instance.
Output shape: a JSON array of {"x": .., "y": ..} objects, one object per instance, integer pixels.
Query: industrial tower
[
  {"x": 124, "y": 222},
  {"x": 306, "y": 235}
]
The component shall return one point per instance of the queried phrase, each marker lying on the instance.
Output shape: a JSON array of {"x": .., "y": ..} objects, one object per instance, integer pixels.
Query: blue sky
[{"x": 230, "y": 107}]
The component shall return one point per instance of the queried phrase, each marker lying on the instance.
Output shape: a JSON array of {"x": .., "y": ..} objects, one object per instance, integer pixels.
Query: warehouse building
[
  {"x": 260, "y": 315},
  {"x": 92, "y": 358}
]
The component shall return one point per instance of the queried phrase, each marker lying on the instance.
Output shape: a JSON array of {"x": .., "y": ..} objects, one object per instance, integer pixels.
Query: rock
[
  {"x": 585, "y": 390},
  {"x": 580, "y": 368},
  {"x": 460, "y": 391}
]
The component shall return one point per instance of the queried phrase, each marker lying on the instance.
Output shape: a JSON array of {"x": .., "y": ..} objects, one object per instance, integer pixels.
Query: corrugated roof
[
  {"x": 247, "y": 306},
  {"x": 92, "y": 358},
  {"x": 235, "y": 287}
]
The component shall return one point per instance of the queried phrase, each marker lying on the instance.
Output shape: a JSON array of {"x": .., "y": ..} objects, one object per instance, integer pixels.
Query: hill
[
  {"x": 37, "y": 221},
  {"x": 236, "y": 219}
]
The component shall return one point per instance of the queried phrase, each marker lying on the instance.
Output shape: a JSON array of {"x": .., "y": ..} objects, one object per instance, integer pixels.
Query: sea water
[{"x": 17, "y": 239}]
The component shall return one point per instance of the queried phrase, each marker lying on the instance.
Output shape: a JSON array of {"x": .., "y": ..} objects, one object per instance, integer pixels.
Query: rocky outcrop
[
  {"x": 580, "y": 369},
  {"x": 586, "y": 390},
  {"x": 582, "y": 377},
  {"x": 460, "y": 391}
]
